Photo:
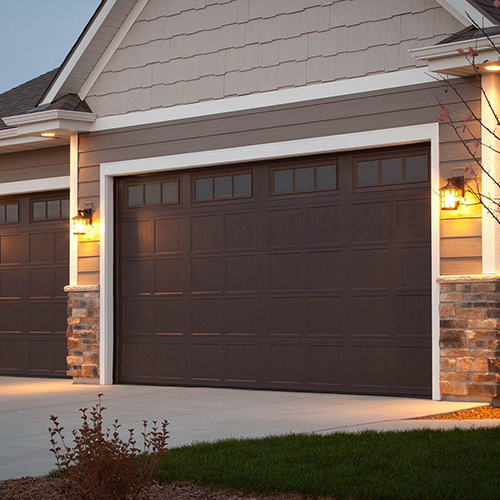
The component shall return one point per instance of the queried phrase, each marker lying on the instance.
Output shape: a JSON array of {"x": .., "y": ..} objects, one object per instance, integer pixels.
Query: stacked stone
[
  {"x": 470, "y": 338},
  {"x": 83, "y": 333}
]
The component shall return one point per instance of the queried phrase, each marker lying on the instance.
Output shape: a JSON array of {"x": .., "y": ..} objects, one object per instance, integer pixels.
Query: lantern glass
[
  {"x": 452, "y": 194},
  {"x": 81, "y": 222}
]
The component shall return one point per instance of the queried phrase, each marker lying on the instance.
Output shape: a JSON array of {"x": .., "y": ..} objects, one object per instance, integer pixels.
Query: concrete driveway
[{"x": 194, "y": 414}]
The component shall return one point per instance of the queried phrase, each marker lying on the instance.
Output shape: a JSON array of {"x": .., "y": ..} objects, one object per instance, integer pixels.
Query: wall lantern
[
  {"x": 453, "y": 193},
  {"x": 82, "y": 221}
]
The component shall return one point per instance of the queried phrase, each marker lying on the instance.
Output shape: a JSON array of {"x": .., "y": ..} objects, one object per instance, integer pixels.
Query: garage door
[
  {"x": 312, "y": 274},
  {"x": 34, "y": 259}
]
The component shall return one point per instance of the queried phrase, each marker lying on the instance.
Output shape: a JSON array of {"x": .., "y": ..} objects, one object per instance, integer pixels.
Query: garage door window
[
  {"x": 223, "y": 187},
  {"x": 304, "y": 179},
  {"x": 50, "y": 210},
  {"x": 164, "y": 193},
  {"x": 371, "y": 172},
  {"x": 9, "y": 214}
]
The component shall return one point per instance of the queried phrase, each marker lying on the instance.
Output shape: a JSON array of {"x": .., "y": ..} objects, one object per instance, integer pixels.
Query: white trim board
[
  {"x": 361, "y": 140},
  {"x": 461, "y": 9},
  {"x": 73, "y": 207},
  {"x": 79, "y": 51},
  {"x": 34, "y": 186},
  {"x": 352, "y": 86}
]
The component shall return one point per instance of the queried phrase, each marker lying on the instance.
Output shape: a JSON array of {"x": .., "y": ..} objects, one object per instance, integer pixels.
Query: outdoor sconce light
[
  {"x": 453, "y": 193},
  {"x": 82, "y": 221}
]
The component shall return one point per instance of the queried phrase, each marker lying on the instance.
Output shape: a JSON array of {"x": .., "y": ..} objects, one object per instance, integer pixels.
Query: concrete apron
[{"x": 195, "y": 414}]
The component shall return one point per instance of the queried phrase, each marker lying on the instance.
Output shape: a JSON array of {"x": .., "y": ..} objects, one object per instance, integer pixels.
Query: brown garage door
[
  {"x": 306, "y": 275},
  {"x": 34, "y": 259}
]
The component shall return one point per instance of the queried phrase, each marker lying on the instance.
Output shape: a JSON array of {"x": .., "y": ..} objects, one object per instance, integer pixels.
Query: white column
[
  {"x": 491, "y": 163},
  {"x": 73, "y": 209}
]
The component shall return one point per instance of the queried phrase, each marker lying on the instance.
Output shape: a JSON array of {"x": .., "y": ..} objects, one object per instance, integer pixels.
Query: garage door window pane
[
  {"x": 2, "y": 214},
  {"x": 367, "y": 173},
  {"x": 54, "y": 209},
  {"x": 39, "y": 210},
  {"x": 304, "y": 179},
  {"x": 283, "y": 181},
  {"x": 392, "y": 170},
  {"x": 417, "y": 168},
  {"x": 135, "y": 196},
  {"x": 204, "y": 189},
  {"x": 170, "y": 193},
  {"x": 152, "y": 194},
  {"x": 326, "y": 177},
  {"x": 64, "y": 209},
  {"x": 242, "y": 185},
  {"x": 12, "y": 214},
  {"x": 223, "y": 187}
]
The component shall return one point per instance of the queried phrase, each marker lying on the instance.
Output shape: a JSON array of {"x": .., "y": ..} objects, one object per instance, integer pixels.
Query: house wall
[
  {"x": 181, "y": 52},
  {"x": 364, "y": 112},
  {"x": 39, "y": 164}
]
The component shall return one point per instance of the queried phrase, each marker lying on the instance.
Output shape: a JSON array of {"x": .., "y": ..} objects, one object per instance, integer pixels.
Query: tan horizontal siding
[
  {"x": 404, "y": 107},
  {"x": 39, "y": 164}
]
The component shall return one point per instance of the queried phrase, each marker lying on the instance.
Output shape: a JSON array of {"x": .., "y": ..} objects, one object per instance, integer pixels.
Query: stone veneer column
[
  {"x": 470, "y": 338},
  {"x": 83, "y": 333}
]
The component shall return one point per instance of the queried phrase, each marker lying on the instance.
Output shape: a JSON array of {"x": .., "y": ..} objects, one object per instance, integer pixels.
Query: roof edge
[{"x": 466, "y": 13}]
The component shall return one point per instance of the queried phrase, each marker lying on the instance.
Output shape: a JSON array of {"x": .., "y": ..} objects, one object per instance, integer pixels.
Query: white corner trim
[
  {"x": 461, "y": 9},
  {"x": 73, "y": 207},
  {"x": 111, "y": 49},
  {"x": 336, "y": 143},
  {"x": 34, "y": 186},
  {"x": 339, "y": 88},
  {"x": 79, "y": 51}
]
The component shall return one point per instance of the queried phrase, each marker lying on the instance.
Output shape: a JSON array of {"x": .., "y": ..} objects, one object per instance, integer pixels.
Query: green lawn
[{"x": 423, "y": 465}]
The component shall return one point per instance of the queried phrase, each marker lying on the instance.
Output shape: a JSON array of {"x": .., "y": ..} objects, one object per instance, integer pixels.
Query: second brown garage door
[
  {"x": 311, "y": 274},
  {"x": 34, "y": 268}
]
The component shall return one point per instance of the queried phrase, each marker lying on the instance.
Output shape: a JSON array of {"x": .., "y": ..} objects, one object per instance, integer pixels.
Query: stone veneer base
[
  {"x": 83, "y": 334},
  {"x": 470, "y": 338}
]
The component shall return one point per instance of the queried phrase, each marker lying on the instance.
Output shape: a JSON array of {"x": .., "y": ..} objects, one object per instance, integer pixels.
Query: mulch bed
[
  {"x": 41, "y": 488},
  {"x": 480, "y": 413}
]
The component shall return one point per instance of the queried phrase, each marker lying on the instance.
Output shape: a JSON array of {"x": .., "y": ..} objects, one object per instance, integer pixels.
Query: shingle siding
[{"x": 190, "y": 51}]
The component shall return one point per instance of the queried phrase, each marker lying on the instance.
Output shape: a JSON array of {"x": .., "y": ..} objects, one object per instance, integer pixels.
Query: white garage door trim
[{"x": 330, "y": 144}]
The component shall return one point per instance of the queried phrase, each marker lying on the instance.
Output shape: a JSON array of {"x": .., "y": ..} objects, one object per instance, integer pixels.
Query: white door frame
[{"x": 330, "y": 144}]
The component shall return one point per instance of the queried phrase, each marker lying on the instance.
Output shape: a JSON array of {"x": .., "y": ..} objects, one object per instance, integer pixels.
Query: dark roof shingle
[{"x": 25, "y": 97}]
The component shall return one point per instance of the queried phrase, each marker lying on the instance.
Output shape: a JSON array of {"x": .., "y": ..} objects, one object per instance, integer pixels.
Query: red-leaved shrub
[{"x": 99, "y": 465}]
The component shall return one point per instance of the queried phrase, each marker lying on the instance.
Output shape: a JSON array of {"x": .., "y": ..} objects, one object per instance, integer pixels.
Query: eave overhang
[
  {"x": 26, "y": 132},
  {"x": 447, "y": 59}
]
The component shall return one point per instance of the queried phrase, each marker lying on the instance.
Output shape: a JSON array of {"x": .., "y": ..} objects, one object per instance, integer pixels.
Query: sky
[{"x": 36, "y": 36}]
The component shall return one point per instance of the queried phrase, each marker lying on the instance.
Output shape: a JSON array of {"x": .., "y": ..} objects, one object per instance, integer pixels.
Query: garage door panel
[
  {"x": 11, "y": 250},
  {"x": 324, "y": 271},
  {"x": 412, "y": 267},
  {"x": 168, "y": 317},
  {"x": 323, "y": 226},
  {"x": 13, "y": 283},
  {"x": 34, "y": 255},
  {"x": 285, "y": 272},
  {"x": 168, "y": 277},
  {"x": 285, "y": 228},
  {"x": 371, "y": 315},
  {"x": 370, "y": 269},
  {"x": 325, "y": 367},
  {"x": 324, "y": 316},
  {"x": 168, "y": 236},
  {"x": 206, "y": 316},
  {"x": 241, "y": 315},
  {"x": 206, "y": 361},
  {"x": 136, "y": 362},
  {"x": 370, "y": 222},
  {"x": 42, "y": 282},
  {"x": 285, "y": 316},
  {"x": 137, "y": 276},
  {"x": 205, "y": 233},
  {"x": 298, "y": 286},
  {"x": 42, "y": 247},
  {"x": 240, "y": 231},
  {"x": 241, "y": 362}
]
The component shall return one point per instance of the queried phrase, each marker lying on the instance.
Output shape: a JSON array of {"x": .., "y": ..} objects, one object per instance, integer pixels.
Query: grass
[{"x": 424, "y": 465}]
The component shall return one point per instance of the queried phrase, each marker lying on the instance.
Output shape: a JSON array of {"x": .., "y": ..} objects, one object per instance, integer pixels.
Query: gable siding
[
  {"x": 384, "y": 109},
  {"x": 182, "y": 52}
]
